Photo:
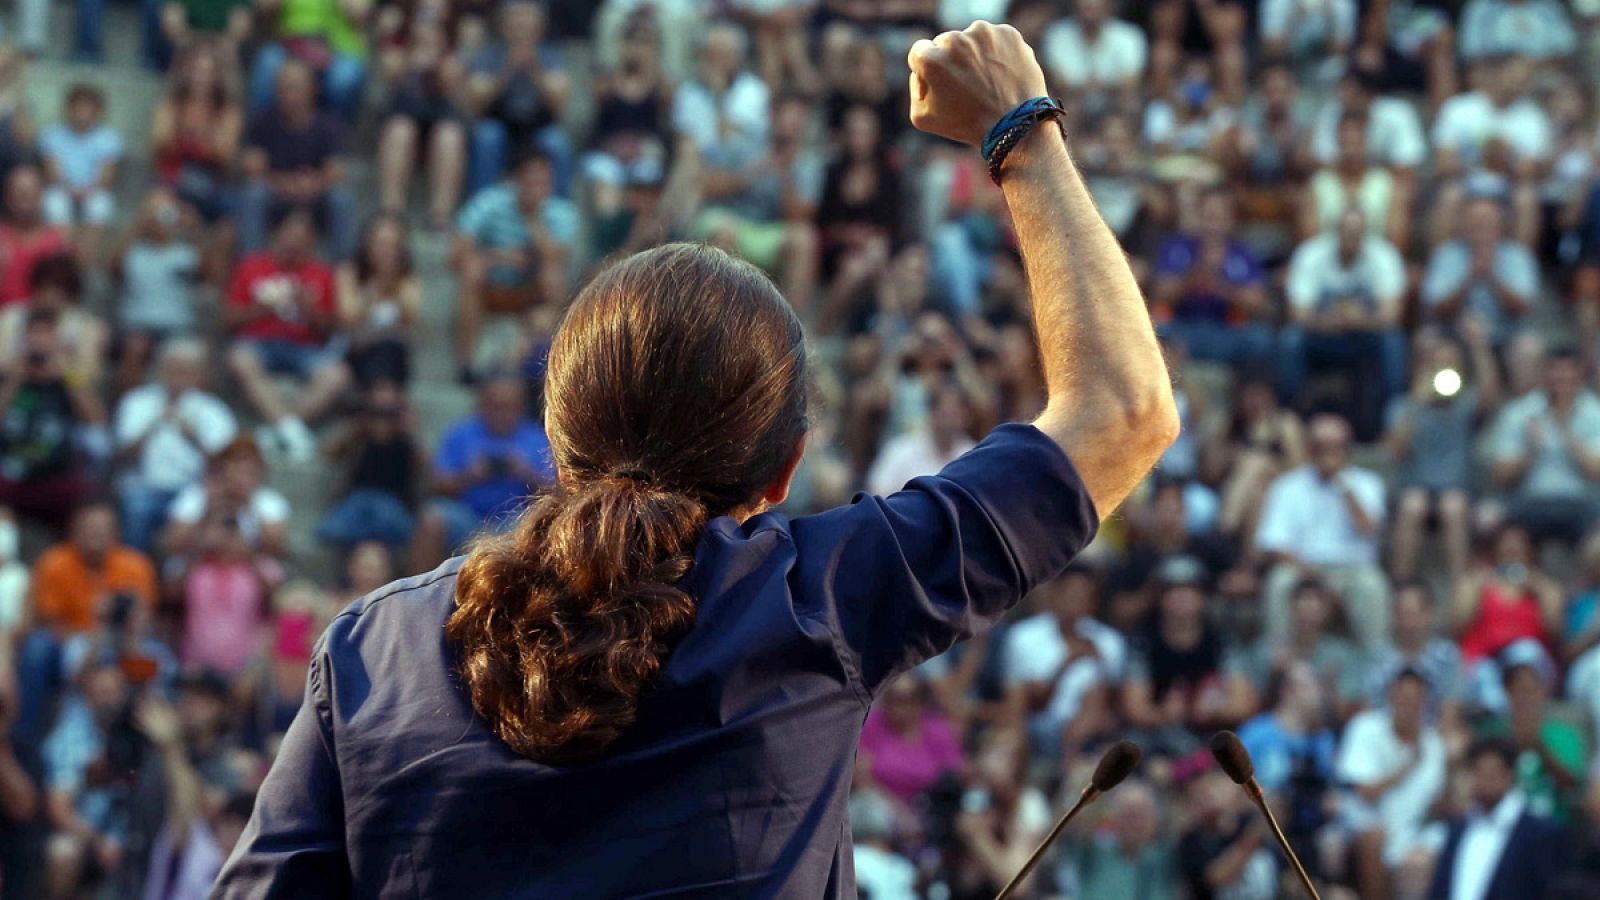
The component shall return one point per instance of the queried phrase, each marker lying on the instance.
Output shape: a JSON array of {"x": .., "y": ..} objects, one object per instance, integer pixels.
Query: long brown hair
[{"x": 676, "y": 393}]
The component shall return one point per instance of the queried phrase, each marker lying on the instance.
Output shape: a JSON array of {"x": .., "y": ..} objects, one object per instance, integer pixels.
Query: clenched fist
[{"x": 962, "y": 82}]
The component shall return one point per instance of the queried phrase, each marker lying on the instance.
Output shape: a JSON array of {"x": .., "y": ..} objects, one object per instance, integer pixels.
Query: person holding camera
[
  {"x": 485, "y": 468},
  {"x": 47, "y": 422},
  {"x": 382, "y": 462}
]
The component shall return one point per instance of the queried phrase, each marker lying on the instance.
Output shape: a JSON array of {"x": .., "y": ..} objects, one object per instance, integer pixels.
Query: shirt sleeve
[
  {"x": 294, "y": 844},
  {"x": 1276, "y": 530},
  {"x": 900, "y": 579}
]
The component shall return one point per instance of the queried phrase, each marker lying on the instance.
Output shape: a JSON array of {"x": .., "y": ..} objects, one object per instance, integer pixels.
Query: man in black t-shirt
[
  {"x": 291, "y": 159},
  {"x": 41, "y": 412}
]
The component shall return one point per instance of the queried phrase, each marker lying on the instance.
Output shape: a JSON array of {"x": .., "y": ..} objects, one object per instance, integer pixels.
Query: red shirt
[
  {"x": 19, "y": 252},
  {"x": 263, "y": 281}
]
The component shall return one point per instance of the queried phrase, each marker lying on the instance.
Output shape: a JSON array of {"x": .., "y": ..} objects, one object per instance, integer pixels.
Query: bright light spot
[{"x": 1447, "y": 382}]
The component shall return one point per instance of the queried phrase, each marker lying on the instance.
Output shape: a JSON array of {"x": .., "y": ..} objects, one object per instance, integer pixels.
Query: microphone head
[
  {"x": 1116, "y": 764},
  {"x": 1232, "y": 757}
]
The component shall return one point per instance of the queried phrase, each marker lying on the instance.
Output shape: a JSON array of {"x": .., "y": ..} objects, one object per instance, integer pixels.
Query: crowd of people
[{"x": 1369, "y": 233}]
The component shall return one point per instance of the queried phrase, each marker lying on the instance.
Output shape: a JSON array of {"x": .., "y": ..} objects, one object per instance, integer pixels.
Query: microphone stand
[
  {"x": 1254, "y": 791},
  {"x": 1089, "y": 795}
]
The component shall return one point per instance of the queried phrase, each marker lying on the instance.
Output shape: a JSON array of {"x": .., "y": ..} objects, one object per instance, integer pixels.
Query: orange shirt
[{"x": 67, "y": 592}]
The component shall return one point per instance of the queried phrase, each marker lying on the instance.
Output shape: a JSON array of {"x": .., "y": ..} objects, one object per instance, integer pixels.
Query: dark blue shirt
[{"x": 735, "y": 778}]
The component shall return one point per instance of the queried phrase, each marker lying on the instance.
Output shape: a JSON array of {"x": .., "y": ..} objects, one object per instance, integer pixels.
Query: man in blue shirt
[{"x": 486, "y": 466}]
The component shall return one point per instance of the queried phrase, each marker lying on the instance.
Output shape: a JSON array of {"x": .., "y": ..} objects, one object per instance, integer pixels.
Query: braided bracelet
[{"x": 1014, "y": 126}]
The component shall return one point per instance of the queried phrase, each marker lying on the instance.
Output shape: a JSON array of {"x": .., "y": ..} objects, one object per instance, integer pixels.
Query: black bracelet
[{"x": 1014, "y": 126}]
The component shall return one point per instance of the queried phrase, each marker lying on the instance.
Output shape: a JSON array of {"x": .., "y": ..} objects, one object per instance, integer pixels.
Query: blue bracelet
[{"x": 1014, "y": 126}]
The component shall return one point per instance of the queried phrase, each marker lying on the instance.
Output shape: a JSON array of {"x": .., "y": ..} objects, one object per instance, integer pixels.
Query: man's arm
[{"x": 1110, "y": 401}]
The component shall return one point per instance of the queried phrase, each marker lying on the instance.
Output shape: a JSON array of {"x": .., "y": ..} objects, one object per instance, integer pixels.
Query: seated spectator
[
  {"x": 1209, "y": 292},
  {"x": 1131, "y": 854},
  {"x": 1551, "y": 750},
  {"x": 484, "y": 469},
  {"x": 1097, "y": 58},
  {"x": 1224, "y": 849},
  {"x": 1293, "y": 751},
  {"x": 325, "y": 36},
  {"x": 862, "y": 77},
  {"x": 944, "y": 434},
  {"x": 1115, "y": 172},
  {"x": 382, "y": 465},
  {"x": 859, "y": 217},
  {"x": 195, "y": 132},
  {"x": 632, "y": 118},
  {"x": 232, "y": 511},
  {"x": 1002, "y": 817},
  {"x": 906, "y": 744},
  {"x": 25, "y": 236},
  {"x": 81, "y": 155},
  {"x": 423, "y": 120},
  {"x": 762, "y": 208},
  {"x": 1182, "y": 679},
  {"x": 514, "y": 245},
  {"x": 1415, "y": 644},
  {"x": 1495, "y": 141},
  {"x": 1261, "y": 441},
  {"x": 280, "y": 313},
  {"x": 778, "y": 30},
  {"x": 1430, "y": 436},
  {"x": 1061, "y": 664},
  {"x": 1545, "y": 449},
  {"x": 1187, "y": 122},
  {"x": 224, "y": 591},
  {"x": 1392, "y": 763},
  {"x": 273, "y": 687},
  {"x": 1335, "y": 662},
  {"x": 1268, "y": 152},
  {"x": 82, "y": 339},
  {"x": 87, "y": 811},
  {"x": 1345, "y": 290},
  {"x": 1394, "y": 131},
  {"x": 1501, "y": 849},
  {"x": 159, "y": 268},
  {"x": 1411, "y": 47},
  {"x": 1325, "y": 517},
  {"x": 1355, "y": 182},
  {"x": 51, "y": 429},
  {"x": 291, "y": 160},
  {"x": 721, "y": 117},
  {"x": 1506, "y": 599},
  {"x": 17, "y": 130},
  {"x": 379, "y": 301},
  {"x": 1483, "y": 272},
  {"x": 880, "y": 871},
  {"x": 75, "y": 579},
  {"x": 1538, "y": 29},
  {"x": 1308, "y": 34},
  {"x": 517, "y": 89},
  {"x": 163, "y": 433}
]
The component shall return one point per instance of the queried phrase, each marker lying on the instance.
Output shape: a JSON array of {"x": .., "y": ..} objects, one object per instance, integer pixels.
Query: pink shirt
[
  {"x": 906, "y": 768},
  {"x": 222, "y": 624}
]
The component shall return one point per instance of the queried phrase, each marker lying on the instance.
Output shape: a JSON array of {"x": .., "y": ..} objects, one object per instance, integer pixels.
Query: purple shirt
[
  {"x": 1240, "y": 268},
  {"x": 734, "y": 780}
]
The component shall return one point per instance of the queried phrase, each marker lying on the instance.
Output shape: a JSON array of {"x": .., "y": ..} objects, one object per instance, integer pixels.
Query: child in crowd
[{"x": 81, "y": 155}]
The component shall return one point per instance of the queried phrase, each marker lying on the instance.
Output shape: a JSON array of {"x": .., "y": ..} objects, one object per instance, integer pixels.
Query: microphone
[
  {"x": 1234, "y": 759},
  {"x": 1115, "y": 764}
]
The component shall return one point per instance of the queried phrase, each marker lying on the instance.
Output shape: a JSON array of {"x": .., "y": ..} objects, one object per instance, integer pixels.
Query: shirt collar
[{"x": 1505, "y": 813}]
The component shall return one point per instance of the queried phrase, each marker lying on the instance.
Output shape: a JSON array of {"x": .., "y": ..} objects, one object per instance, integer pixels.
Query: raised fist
[{"x": 962, "y": 82}]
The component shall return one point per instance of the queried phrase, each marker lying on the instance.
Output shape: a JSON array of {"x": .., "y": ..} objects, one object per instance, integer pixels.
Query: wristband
[{"x": 1014, "y": 126}]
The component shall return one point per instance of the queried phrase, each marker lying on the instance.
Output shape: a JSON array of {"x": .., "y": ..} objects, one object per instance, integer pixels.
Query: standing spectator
[
  {"x": 325, "y": 36},
  {"x": 518, "y": 90},
  {"x": 379, "y": 302},
  {"x": 48, "y": 424},
  {"x": 1325, "y": 518},
  {"x": 75, "y": 579},
  {"x": 1210, "y": 291},
  {"x": 1545, "y": 448},
  {"x": 164, "y": 432},
  {"x": 81, "y": 155},
  {"x": 25, "y": 236},
  {"x": 1431, "y": 432},
  {"x": 425, "y": 119},
  {"x": 1393, "y": 764},
  {"x": 515, "y": 241},
  {"x": 291, "y": 160},
  {"x": 1501, "y": 849},
  {"x": 1483, "y": 272},
  {"x": 280, "y": 312},
  {"x": 483, "y": 471},
  {"x": 1345, "y": 290}
]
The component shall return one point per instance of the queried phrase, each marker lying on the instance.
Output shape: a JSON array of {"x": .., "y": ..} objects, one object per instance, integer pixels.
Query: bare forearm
[{"x": 1110, "y": 398}]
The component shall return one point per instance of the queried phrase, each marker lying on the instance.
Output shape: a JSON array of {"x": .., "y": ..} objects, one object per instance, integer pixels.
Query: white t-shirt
[
  {"x": 730, "y": 130},
  {"x": 1317, "y": 275},
  {"x": 1035, "y": 651},
  {"x": 1306, "y": 23},
  {"x": 169, "y": 460},
  {"x": 1468, "y": 121},
  {"x": 1306, "y": 517},
  {"x": 1117, "y": 54},
  {"x": 883, "y": 875},
  {"x": 908, "y": 456},
  {"x": 1394, "y": 133},
  {"x": 266, "y": 507},
  {"x": 1370, "y": 752}
]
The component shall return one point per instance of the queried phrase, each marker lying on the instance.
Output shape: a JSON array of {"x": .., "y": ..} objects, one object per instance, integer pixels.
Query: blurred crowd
[{"x": 1369, "y": 233}]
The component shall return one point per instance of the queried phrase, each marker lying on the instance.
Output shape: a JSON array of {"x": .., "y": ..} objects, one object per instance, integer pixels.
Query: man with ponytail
[{"x": 653, "y": 685}]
